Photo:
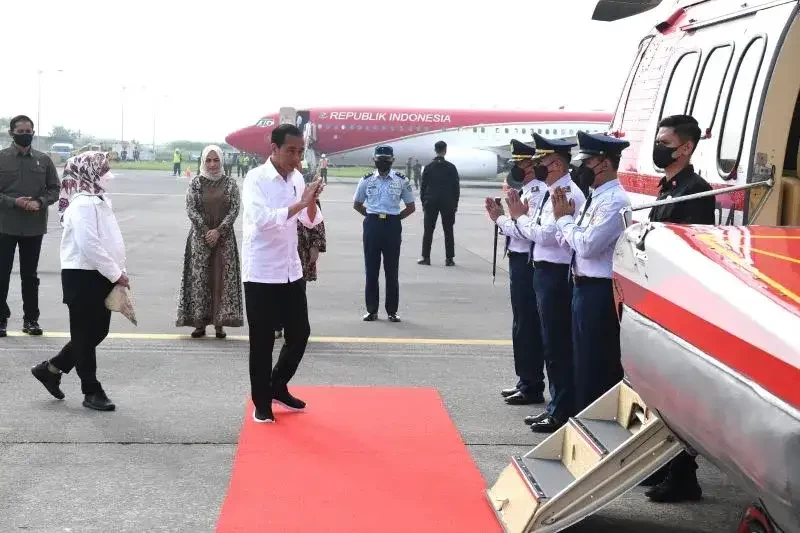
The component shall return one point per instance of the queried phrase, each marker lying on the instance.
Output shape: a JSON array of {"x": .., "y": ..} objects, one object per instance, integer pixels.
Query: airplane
[
  {"x": 709, "y": 314},
  {"x": 478, "y": 142}
]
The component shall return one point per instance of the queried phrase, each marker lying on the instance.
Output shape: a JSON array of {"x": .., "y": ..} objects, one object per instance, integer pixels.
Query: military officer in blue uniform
[
  {"x": 551, "y": 280},
  {"x": 526, "y": 335},
  {"x": 592, "y": 233},
  {"x": 377, "y": 198}
]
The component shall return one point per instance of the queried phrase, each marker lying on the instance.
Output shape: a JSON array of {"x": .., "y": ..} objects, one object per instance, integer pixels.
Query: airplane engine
[{"x": 473, "y": 164}]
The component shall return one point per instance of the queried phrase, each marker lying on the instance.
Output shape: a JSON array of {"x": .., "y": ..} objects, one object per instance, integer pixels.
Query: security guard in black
[{"x": 439, "y": 193}]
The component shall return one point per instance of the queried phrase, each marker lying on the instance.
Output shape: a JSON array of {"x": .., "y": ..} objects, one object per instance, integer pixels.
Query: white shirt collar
[
  {"x": 530, "y": 185},
  {"x": 606, "y": 186},
  {"x": 271, "y": 172},
  {"x": 563, "y": 181}
]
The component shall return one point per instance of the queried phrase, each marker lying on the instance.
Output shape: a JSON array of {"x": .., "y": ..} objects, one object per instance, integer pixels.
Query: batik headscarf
[
  {"x": 82, "y": 175},
  {"x": 204, "y": 170}
]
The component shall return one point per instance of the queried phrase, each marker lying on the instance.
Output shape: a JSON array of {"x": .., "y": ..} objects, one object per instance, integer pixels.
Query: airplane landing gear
[{"x": 755, "y": 521}]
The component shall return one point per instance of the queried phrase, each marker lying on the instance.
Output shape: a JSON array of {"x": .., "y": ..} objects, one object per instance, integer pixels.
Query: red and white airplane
[{"x": 478, "y": 141}]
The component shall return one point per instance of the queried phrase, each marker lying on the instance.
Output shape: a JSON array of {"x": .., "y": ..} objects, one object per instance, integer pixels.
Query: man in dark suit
[
  {"x": 439, "y": 192},
  {"x": 676, "y": 141}
]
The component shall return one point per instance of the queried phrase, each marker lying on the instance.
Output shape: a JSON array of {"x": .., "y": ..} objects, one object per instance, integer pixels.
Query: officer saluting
[
  {"x": 377, "y": 198},
  {"x": 592, "y": 237},
  {"x": 551, "y": 280},
  {"x": 526, "y": 332}
]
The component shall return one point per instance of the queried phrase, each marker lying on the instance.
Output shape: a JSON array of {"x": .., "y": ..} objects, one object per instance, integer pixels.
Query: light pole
[
  {"x": 39, "y": 108},
  {"x": 122, "y": 123}
]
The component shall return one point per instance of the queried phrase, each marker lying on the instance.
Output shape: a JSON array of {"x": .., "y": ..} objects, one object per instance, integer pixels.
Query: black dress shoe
[
  {"x": 98, "y": 401},
  {"x": 263, "y": 417},
  {"x": 287, "y": 400},
  {"x": 393, "y": 317},
  {"x": 548, "y": 425},
  {"x": 370, "y": 317},
  {"x": 449, "y": 263},
  {"x": 424, "y": 261},
  {"x": 198, "y": 332},
  {"x": 533, "y": 419},
  {"x": 3, "y": 328},
  {"x": 51, "y": 382},
  {"x": 505, "y": 393},
  {"x": 676, "y": 489},
  {"x": 522, "y": 398},
  {"x": 31, "y": 327}
]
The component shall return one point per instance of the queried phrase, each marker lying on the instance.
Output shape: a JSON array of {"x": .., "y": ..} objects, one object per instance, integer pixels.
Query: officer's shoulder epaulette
[
  {"x": 365, "y": 176},
  {"x": 400, "y": 175}
]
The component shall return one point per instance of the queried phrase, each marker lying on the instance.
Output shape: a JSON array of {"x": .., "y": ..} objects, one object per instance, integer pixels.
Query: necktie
[
  {"x": 539, "y": 221},
  {"x": 583, "y": 214}
]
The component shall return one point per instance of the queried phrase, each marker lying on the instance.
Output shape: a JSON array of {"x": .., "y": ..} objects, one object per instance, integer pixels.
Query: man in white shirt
[
  {"x": 274, "y": 198},
  {"x": 551, "y": 283}
]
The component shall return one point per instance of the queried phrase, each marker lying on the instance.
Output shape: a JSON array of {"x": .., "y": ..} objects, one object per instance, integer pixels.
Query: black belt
[
  {"x": 512, "y": 252},
  {"x": 586, "y": 280},
  {"x": 382, "y": 216},
  {"x": 548, "y": 264}
]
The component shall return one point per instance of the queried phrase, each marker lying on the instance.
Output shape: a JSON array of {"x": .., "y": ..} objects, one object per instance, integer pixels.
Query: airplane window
[
  {"x": 352, "y": 126},
  {"x": 483, "y": 130},
  {"x": 383, "y": 127},
  {"x": 474, "y": 130},
  {"x": 735, "y": 119},
  {"x": 676, "y": 99},
  {"x": 547, "y": 131},
  {"x": 427, "y": 128},
  {"x": 497, "y": 130},
  {"x": 523, "y": 130},
  {"x": 506, "y": 130},
  {"x": 539, "y": 131},
  {"x": 359, "y": 127},
  {"x": 344, "y": 127},
  {"x": 709, "y": 88}
]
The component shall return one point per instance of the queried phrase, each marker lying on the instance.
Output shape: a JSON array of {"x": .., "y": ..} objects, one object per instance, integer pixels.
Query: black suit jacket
[
  {"x": 440, "y": 184},
  {"x": 684, "y": 183}
]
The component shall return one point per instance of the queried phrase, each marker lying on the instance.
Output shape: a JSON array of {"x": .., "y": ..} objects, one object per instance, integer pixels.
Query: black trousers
[
  {"x": 554, "y": 297},
  {"x": 85, "y": 292},
  {"x": 526, "y": 332},
  {"x": 29, "y": 248},
  {"x": 270, "y": 305},
  {"x": 432, "y": 212},
  {"x": 382, "y": 237},
  {"x": 595, "y": 335}
]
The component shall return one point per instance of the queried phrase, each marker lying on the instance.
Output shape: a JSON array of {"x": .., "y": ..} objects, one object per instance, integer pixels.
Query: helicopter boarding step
[{"x": 609, "y": 448}]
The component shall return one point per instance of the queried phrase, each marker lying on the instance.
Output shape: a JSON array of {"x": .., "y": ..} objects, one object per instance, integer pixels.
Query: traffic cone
[{"x": 188, "y": 173}]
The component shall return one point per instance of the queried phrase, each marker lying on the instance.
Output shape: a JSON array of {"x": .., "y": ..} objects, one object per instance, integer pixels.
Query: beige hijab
[{"x": 203, "y": 170}]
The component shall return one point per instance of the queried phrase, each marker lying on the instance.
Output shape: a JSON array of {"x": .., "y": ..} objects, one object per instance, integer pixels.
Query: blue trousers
[
  {"x": 554, "y": 297},
  {"x": 526, "y": 329},
  {"x": 382, "y": 237},
  {"x": 595, "y": 334}
]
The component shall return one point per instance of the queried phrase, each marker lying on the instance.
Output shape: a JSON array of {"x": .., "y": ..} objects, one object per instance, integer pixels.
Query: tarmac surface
[{"x": 162, "y": 461}]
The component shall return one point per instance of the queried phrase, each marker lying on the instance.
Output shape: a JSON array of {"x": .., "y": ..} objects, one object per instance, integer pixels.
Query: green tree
[{"x": 62, "y": 134}]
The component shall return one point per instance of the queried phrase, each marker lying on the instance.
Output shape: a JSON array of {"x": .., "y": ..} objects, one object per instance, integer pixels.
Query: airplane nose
[{"x": 237, "y": 139}]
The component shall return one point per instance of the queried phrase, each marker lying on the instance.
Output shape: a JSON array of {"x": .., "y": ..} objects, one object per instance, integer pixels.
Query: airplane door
[{"x": 287, "y": 115}]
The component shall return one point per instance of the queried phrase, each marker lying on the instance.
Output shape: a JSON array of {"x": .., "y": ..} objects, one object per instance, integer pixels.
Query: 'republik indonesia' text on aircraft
[{"x": 478, "y": 141}]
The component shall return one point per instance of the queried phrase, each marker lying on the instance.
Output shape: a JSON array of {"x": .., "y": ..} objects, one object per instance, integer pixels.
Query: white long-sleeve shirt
[
  {"x": 269, "y": 236},
  {"x": 91, "y": 239},
  {"x": 542, "y": 229}
]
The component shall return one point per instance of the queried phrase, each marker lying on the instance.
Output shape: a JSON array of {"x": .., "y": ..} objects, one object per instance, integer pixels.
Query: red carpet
[{"x": 377, "y": 460}]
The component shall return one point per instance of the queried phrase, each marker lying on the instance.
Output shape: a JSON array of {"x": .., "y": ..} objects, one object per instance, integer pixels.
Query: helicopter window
[
  {"x": 734, "y": 121},
  {"x": 709, "y": 88},
  {"x": 676, "y": 98}
]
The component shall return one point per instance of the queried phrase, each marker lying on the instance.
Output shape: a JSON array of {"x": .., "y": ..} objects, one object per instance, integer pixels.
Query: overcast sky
[{"x": 205, "y": 69}]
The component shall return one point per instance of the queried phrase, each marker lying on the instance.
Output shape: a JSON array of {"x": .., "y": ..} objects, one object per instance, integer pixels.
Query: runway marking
[{"x": 332, "y": 340}]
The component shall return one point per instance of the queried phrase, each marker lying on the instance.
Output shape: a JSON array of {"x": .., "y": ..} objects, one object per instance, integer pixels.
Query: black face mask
[
  {"x": 662, "y": 155},
  {"x": 541, "y": 172},
  {"x": 584, "y": 177},
  {"x": 517, "y": 174},
  {"x": 23, "y": 139},
  {"x": 383, "y": 165}
]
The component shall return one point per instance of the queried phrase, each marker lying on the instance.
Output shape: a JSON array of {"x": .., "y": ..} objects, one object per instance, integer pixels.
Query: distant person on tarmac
[
  {"x": 323, "y": 169},
  {"x": 92, "y": 263},
  {"x": 176, "y": 162},
  {"x": 417, "y": 172},
  {"x": 439, "y": 193},
  {"x": 29, "y": 185}
]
